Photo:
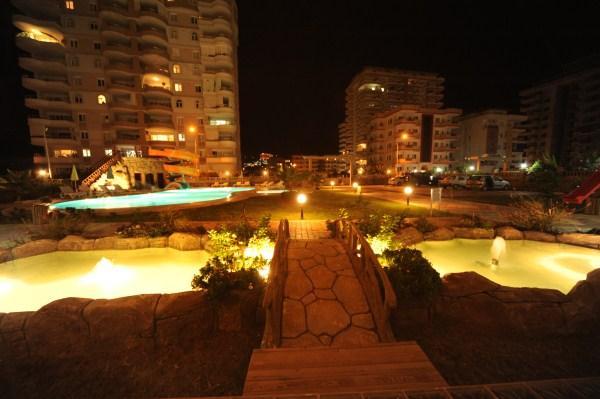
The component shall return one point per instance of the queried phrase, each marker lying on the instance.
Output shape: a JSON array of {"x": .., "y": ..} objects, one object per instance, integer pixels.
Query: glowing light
[
  {"x": 332, "y": 183},
  {"x": 263, "y": 272},
  {"x": 439, "y": 170},
  {"x": 42, "y": 173},
  {"x": 498, "y": 249},
  {"x": 408, "y": 190},
  {"x": 301, "y": 198},
  {"x": 265, "y": 173},
  {"x": 191, "y": 129},
  {"x": 227, "y": 173},
  {"x": 404, "y": 136},
  {"x": 523, "y": 165},
  {"x": 471, "y": 168},
  {"x": 361, "y": 171},
  {"x": 388, "y": 172},
  {"x": 355, "y": 185},
  {"x": 107, "y": 276},
  {"x": 155, "y": 78},
  {"x": 6, "y": 286},
  {"x": 553, "y": 263}
]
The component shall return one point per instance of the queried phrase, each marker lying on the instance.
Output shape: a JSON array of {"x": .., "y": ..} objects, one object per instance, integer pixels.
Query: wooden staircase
[
  {"x": 100, "y": 168},
  {"x": 383, "y": 367}
]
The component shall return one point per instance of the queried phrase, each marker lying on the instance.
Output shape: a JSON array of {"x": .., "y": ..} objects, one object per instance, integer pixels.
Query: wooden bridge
[{"x": 327, "y": 327}]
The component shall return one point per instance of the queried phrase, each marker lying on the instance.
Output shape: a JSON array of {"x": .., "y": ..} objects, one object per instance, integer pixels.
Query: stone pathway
[
  {"x": 324, "y": 304},
  {"x": 308, "y": 229}
]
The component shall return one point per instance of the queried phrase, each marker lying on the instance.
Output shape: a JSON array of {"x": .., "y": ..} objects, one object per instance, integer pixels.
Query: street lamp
[
  {"x": 355, "y": 185},
  {"x": 471, "y": 168},
  {"x": 408, "y": 190},
  {"x": 301, "y": 199},
  {"x": 332, "y": 183},
  {"x": 265, "y": 173},
  {"x": 388, "y": 172},
  {"x": 361, "y": 171}
]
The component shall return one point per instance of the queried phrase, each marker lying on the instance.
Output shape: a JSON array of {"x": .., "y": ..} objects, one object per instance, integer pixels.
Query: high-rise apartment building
[
  {"x": 412, "y": 138},
  {"x": 129, "y": 76},
  {"x": 563, "y": 115},
  {"x": 375, "y": 90},
  {"x": 492, "y": 140}
]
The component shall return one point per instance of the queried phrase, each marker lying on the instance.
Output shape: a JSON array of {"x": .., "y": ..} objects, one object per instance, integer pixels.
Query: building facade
[
  {"x": 492, "y": 140},
  {"x": 412, "y": 138},
  {"x": 563, "y": 116},
  {"x": 375, "y": 90},
  {"x": 322, "y": 164},
  {"x": 107, "y": 77}
]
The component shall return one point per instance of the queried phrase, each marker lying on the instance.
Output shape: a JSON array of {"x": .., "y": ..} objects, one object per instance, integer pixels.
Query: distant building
[
  {"x": 375, "y": 90},
  {"x": 321, "y": 164},
  {"x": 265, "y": 156},
  {"x": 411, "y": 137},
  {"x": 491, "y": 140},
  {"x": 563, "y": 115},
  {"x": 127, "y": 77}
]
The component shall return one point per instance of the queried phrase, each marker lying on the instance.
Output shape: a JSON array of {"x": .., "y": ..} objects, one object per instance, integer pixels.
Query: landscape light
[
  {"x": 523, "y": 165},
  {"x": 227, "y": 173},
  {"x": 301, "y": 199},
  {"x": 439, "y": 170},
  {"x": 265, "y": 173},
  {"x": 361, "y": 171},
  {"x": 355, "y": 185},
  {"x": 388, "y": 172},
  {"x": 408, "y": 190},
  {"x": 471, "y": 168},
  {"x": 42, "y": 173},
  {"x": 332, "y": 183}
]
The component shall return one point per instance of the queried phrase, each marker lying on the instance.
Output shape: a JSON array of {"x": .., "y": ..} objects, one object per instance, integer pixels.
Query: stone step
[{"x": 381, "y": 367}]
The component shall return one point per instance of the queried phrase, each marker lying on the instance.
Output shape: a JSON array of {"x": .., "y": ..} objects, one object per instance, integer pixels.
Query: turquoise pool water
[{"x": 169, "y": 197}]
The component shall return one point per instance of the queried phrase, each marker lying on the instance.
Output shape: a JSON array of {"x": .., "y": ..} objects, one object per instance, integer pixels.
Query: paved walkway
[
  {"x": 308, "y": 229},
  {"x": 324, "y": 304}
]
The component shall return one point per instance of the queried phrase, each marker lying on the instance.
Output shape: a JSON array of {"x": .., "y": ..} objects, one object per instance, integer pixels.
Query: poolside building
[{"x": 106, "y": 78}]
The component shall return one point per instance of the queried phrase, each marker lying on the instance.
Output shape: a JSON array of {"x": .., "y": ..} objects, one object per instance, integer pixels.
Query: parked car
[
  {"x": 458, "y": 181},
  {"x": 415, "y": 179},
  {"x": 487, "y": 182}
]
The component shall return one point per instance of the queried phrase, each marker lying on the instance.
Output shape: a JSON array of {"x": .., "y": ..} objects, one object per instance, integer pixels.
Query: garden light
[
  {"x": 439, "y": 170},
  {"x": 265, "y": 173},
  {"x": 332, "y": 183},
  {"x": 301, "y": 199},
  {"x": 355, "y": 185},
  {"x": 471, "y": 168},
  {"x": 388, "y": 172},
  {"x": 408, "y": 190},
  {"x": 523, "y": 165},
  {"x": 361, "y": 171},
  {"x": 42, "y": 173}
]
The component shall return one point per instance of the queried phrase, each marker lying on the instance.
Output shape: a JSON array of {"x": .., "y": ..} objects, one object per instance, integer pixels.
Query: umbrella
[
  {"x": 109, "y": 174},
  {"x": 74, "y": 176}
]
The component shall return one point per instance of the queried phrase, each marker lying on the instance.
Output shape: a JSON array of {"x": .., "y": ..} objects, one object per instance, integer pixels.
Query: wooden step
[{"x": 382, "y": 367}]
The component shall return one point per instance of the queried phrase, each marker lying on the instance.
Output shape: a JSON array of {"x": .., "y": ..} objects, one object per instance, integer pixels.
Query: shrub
[
  {"x": 531, "y": 214},
  {"x": 411, "y": 275},
  {"x": 218, "y": 279},
  {"x": 60, "y": 226},
  {"x": 543, "y": 176},
  {"x": 423, "y": 225},
  {"x": 224, "y": 245},
  {"x": 144, "y": 230}
]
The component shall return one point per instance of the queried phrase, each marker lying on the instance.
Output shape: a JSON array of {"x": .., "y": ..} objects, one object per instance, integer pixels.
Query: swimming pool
[
  {"x": 522, "y": 263},
  {"x": 29, "y": 283},
  {"x": 162, "y": 198}
]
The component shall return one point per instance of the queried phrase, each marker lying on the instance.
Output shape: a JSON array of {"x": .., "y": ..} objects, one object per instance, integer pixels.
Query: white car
[{"x": 458, "y": 181}]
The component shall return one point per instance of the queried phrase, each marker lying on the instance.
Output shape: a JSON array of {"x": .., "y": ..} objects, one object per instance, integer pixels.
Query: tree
[{"x": 543, "y": 176}]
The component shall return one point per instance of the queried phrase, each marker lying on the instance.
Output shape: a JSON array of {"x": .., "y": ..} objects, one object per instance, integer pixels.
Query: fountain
[
  {"x": 107, "y": 275},
  {"x": 498, "y": 249}
]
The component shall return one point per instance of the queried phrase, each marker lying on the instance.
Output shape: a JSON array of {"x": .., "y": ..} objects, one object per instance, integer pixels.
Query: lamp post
[
  {"x": 301, "y": 199},
  {"x": 47, "y": 152},
  {"x": 332, "y": 183},
  {"x": 408, "y": 190}
]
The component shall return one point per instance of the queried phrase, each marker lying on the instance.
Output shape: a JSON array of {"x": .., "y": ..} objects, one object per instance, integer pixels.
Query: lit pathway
[
  {"x": 308, "y": 229},
  {"x": 324, "y": 304}
]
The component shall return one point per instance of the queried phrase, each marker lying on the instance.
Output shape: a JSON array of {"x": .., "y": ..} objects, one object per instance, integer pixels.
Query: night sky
[{"x": 297, "y": 57}]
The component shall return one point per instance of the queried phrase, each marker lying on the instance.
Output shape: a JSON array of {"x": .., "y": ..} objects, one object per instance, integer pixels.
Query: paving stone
[
  {"x": 309, "y": 263},
  {"x": 349, "y": 291},
  {"x": 355, "y": 336},
  {"x": 326, "y": 317},
  {"x": 321, "y": 248},
  {"x": 364, "y": 320},
  {"x": 309, "y": 298},
  {"x": 293, "y": 265},
  {"x": 346, "y": 272},
  {"x": 325, "y": 339},
  {"x": 293, "y": 319},
  {"x": 337, "y": 263},
  {"x": 299, "y": 253},
  {"x": 324, "y": 293},
  {"x": 306, "y": 340},
  {"x": 297, "y": 244},
  {"x": 297, "y": 285},
  {"x": 321, "y": 277}
]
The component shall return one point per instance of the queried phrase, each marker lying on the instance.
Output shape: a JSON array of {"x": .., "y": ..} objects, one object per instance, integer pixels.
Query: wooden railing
[
  {"x": 375, "y": 283},
  {"x": 273, "y": 299}
]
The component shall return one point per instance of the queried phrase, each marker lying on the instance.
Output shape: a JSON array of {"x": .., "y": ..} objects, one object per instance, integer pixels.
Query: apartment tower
[
  {"x": 563, "y": 115},
  {"x": 375, "y": 90},
  {"x": 107, "y": 77},
  {"x": 411, "y": 138}
]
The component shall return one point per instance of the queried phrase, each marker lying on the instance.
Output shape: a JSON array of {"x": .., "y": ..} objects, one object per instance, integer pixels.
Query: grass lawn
[{"x": 321, "y": 204}]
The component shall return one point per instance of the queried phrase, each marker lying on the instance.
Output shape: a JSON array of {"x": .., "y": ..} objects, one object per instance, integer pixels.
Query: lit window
[
  {"x": 101, "y": 99},
  {"x": 162, "y": 137},
  {"x": 65, "y": 153},
  {"x": 219, "y": 122},
  {"x": 108, "y": 152},
  {"x": 176, "y": 68},
  {"x": 178, "y": 87},
  {"x": 86, "y": 152},
  {"x": 70, "y": 4},
  {"x": 181, "y": 136},
  {"x": 179, "y": 104}
]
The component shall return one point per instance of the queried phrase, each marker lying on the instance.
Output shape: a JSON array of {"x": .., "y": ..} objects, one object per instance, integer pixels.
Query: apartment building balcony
[
  {"x": 123, "y": 105},
  {"x": 150, "y": 32},
  {"x": 153, "y": 54},
  {"x": 165, "y": 91},
  {"x": 160, "y": 123},
  {"x": 157, "y": 105},
  {"x": 48, "y": 102},
  {"x": 121, "y": 67},
  {"x": 121, "y": 85},
  {"x": 123, "y": 28},
  {"x": 50, "y": 66},
  {"x": 185, "y": 4},
  {"x": 157, "y": 69},
  {"x": 219, "y": 160},
  {"x": 115, "y": 6},
  {"x": 223, "y": 37},
  {"x": 51, "y": 120},
  {"x": 414, "y": 147},
  {"x": 50, "y": 83},
  {"x": 121, "y": 48},
  {"x": 152, "y": 12}
]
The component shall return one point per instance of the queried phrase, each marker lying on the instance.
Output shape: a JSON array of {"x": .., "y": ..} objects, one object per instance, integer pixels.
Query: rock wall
[
  {"x": 470, "y": 299},
  {"x": 139, "y": 333}
]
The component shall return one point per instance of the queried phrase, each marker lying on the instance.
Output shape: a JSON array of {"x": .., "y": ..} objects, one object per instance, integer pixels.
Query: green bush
[
  {"x": 144, "y": 230},
  {"x": 218, "y": 279},
  {"x": 531, "y": 214},
  {"x": 411, "y": 275},
  {"x": 423, "y": 225}
]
